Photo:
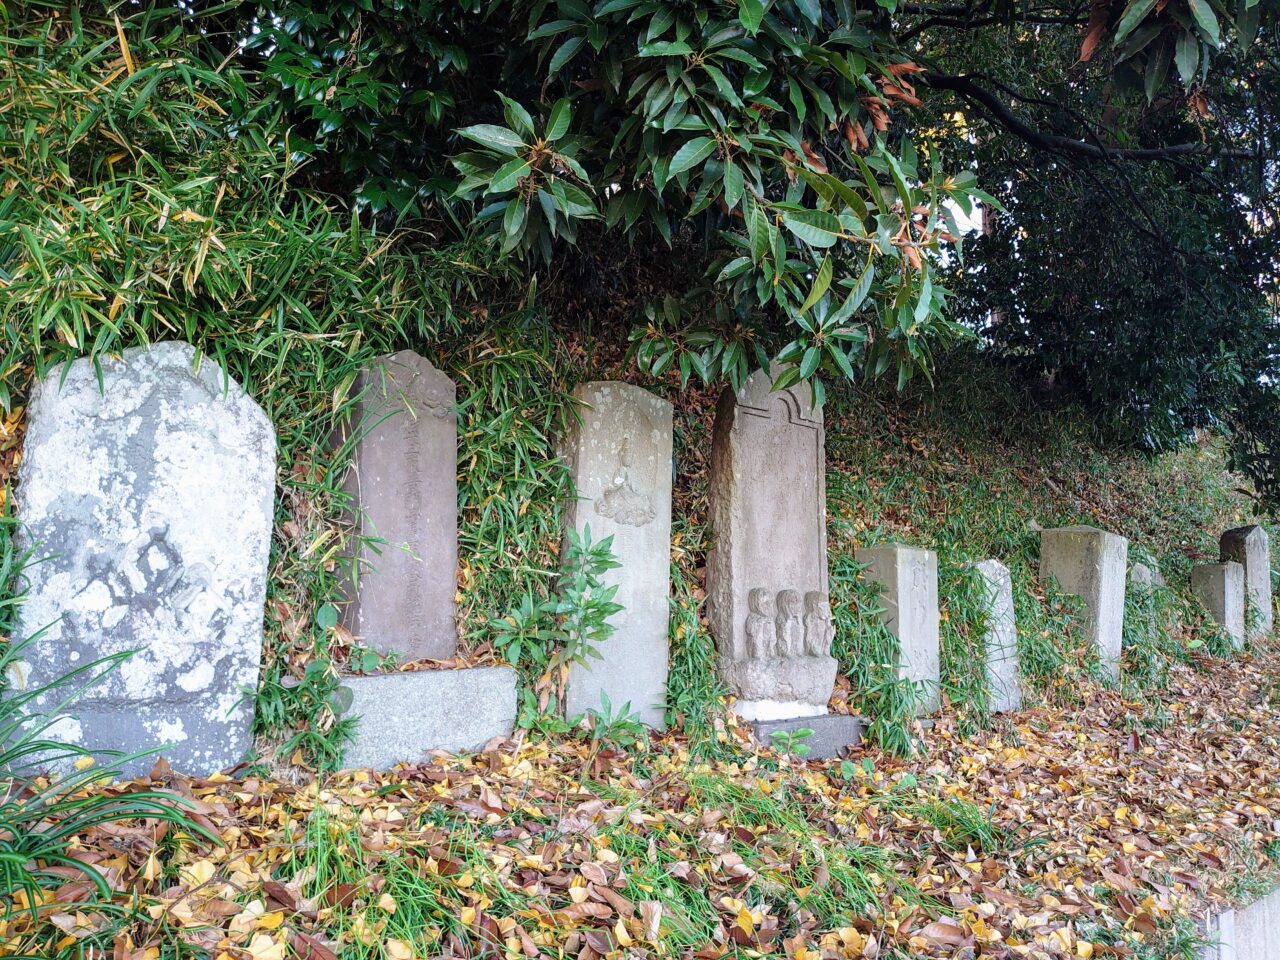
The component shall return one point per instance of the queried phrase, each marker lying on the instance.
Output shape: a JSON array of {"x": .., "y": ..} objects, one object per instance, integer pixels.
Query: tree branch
[{"x": 1001, "y": 113}]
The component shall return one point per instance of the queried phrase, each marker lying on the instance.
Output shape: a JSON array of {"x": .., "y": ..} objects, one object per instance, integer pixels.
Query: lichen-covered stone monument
[
  {"x": 619, "y": 454},
  {"x": 147, "y": 499},
  {"x": 767, "y": 570}
]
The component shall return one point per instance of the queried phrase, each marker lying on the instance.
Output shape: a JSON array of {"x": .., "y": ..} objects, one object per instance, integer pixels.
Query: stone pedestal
[
  {"x": 148, "y": 500},
  {"x": 403, "y": 484},
  {"x": 832, "y": 734},
  {"x": 1221, "y": 588},
  {"x": 1091, "y": 564},
  {"x": 908, "y": 579},
  {"x": 619, "y": 454},
  {"x": 767, "y": 571},
  {"x": 404, "y": 715},
  {"x": 1001, "y": 637},
  {"x": 1250, "y": 547}
]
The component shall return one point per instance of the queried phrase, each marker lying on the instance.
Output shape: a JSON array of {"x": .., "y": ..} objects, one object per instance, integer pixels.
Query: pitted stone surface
[
  {"x": 1251, "y": 548},
  {"x": 832, "y": 734},
  {"x": 403, "y": 483},
  {"x": 1221, "y": 588},
  {"x": 1001, "y": 636},
  {"x": 404, "y": 715},
  {"x": 152, "y": 501},
  {"x": 620, "y": 458},
  {"x": 908, "y": 578},
  {"x": 767, "y": 569},
  {"x": 1091, "y": 564}
]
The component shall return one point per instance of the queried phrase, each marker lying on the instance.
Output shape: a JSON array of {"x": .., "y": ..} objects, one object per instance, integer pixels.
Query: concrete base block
[
  {"x": 1220, "y": 587},
  {"x": 832, "y": 733},
  {"x": 1091, "y": 564},
  {"x": 403, "y": 715}
]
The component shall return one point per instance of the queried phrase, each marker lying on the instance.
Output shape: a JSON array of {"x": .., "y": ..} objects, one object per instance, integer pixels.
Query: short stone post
[
  {"x": 620, "y": 457},
  {"x": 1090, "y": 563},
  {"x": 1250, "y": 547},
  {"x": 1001, "y": 636},
  {"x": 1221, "y": 588},
  {"x": 908, "y": 577}
]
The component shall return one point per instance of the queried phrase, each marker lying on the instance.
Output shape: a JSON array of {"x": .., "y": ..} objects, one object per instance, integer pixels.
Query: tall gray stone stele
[
  {"x": 767, "y": 570},
  {"x": 1250, "y": 547},
  {"x": 1221, "y": 588},
  {"x": 1091, "y": 564},
  {"x": 403, "y": 483},
  {"x": 404, "y": 486},
  {"x": 1001, "y": 636},
  {"x": 619, "y": 454},
  {"x": 908, "y": 579},
  {"x": 151, "y": 499}
]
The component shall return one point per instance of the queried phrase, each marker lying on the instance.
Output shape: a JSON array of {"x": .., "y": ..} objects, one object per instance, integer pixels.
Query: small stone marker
[
  {"x": 151, "y": 499},
  {"x": 1145, "y": 577},
  {"x": 908, "y": 578},
  {"x": 403, "y": 483},
  {"x": 403, "y": 715},
  {"x": 767, "y": 570},
  {"x": 1001, "y": 637},
  {"x": 1221, "y": 588},
  {"x": 1251, "y": 548},
  {"x": 620, "y": 458},
  {"x": 1091, "y": 564}
]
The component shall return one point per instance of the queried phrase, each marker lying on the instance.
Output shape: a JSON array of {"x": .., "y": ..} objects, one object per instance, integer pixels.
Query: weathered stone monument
[
  {"x": 1001, "y": 636},
  {"x": 1091, "y": 564},
  {"x": 767, "y": 570},
  {"x": 908, "y": 579},
  {"x": 403, "y": 484},
  {"x": 404, "y": 489},
  {"x": 149, "y": 499},
  {"x": 1250, "y": 547},
  {"x": 1145, "y": 577},
  {"x": 619, "y": 455},
  {"x": 1221, "y": 588}
]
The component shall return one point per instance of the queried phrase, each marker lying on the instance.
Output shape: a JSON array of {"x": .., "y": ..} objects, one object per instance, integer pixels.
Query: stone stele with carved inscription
[{"x": 767, "y": 571}]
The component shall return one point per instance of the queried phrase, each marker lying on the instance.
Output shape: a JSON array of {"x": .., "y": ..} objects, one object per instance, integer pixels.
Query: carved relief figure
[
  {"x": 621, "y": 501},
  {"x": 790, "y": 624},
  {"x": 819, "y": 631},
  {"x": 762, "y": 630}
]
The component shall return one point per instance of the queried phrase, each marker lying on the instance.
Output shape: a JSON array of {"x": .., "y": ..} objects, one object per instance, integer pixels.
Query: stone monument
[
  {"x": 1251, "y": 548},
  {"x": 619, "y": 454},
  {"x": 149, "y": 500},
  {"x": 1091, "y": 564},
  {"x": 1001, "y": 636},
  {"x": 1221, "y": 588},
  {"x": 908, "y": 578},
  {"x": 403, "y": 485},
  {"x": 767, "y": 570}
]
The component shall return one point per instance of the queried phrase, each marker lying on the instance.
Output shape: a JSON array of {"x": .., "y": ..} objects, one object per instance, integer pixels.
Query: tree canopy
[{"x": 1096, "y": 179}]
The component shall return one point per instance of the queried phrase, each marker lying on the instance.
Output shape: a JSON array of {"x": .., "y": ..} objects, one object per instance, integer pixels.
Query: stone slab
[
  {"x": 908, "y": 579},
  {"x": 1221, "y": 588},
  {"x": 403, "y": 484},
  {"x": 1144, "y": 577},
  {"x": 833, "y": 733},
  {"x": 1001, "y": 637},
  {"x": 152, "y": 499},
  {"x": 619, "y": 454},
  {"x": 1251, "y": 548},
  {"x": 1245, "y": 933},
  {"x": 403, "y": 715},
  {"x": 767, "y": 601},
  {"x": 1091, "y": 564}
]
